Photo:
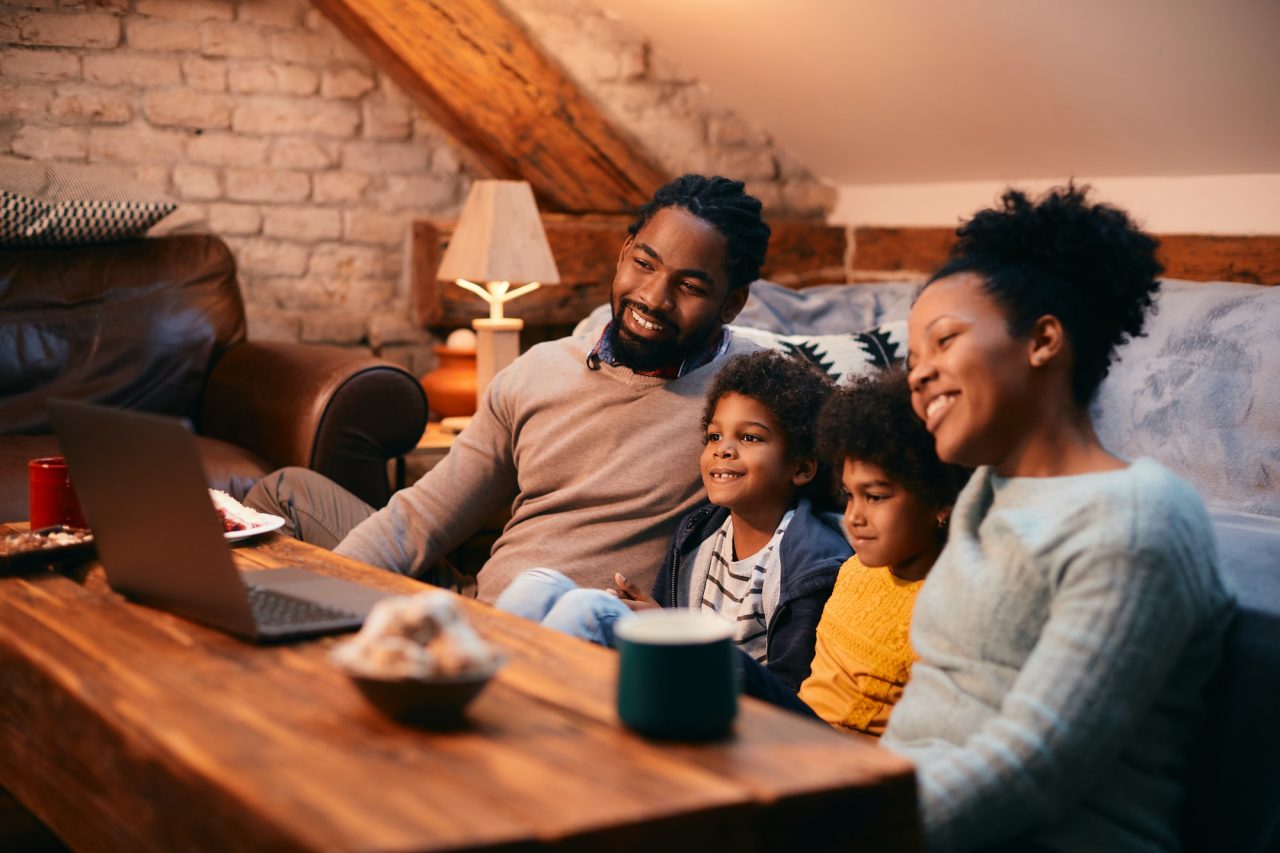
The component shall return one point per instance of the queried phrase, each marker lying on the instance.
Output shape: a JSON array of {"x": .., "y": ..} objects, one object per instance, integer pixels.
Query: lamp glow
[{"x": 499, "y": 252}]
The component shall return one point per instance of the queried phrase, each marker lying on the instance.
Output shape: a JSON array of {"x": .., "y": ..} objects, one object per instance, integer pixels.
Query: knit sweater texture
[
  {"x": 863, "y": 655},
  {"x": 596, "y": 467},
  {"x": 1065, "y": 637}
]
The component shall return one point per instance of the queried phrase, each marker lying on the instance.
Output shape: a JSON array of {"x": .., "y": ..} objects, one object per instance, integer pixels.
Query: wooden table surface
[{"x": 123, "y": 727}]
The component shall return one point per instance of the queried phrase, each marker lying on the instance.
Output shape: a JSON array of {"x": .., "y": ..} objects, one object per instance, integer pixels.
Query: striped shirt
[{"x": 734, "y": 587}]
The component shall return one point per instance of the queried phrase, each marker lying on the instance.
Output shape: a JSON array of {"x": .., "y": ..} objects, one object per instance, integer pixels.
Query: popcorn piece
[{"x": 422, "y": 636}]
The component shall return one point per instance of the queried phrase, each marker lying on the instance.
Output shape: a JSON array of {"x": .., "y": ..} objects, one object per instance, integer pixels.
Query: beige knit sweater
[{"x": 596, "y": 465}]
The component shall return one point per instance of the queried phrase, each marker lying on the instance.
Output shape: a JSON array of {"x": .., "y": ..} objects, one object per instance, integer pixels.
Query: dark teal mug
[{"x": 678, "y": 674}]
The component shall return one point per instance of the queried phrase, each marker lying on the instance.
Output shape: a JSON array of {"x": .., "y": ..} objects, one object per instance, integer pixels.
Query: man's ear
[
  {"x": 733, "y": 303},
  {"x": 1047, "y": 340},
  {"x": 626, "y": 247},
  {"x": 806, "y": 470}
]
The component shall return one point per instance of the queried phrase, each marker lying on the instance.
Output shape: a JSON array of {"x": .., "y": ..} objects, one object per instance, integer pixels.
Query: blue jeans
[{"x": 548, "y": 597}]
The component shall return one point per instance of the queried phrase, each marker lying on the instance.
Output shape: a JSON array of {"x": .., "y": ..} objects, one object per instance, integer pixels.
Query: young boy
[
  {"x": 898, "y": 501},
  {"x": 760, "y": 553}
]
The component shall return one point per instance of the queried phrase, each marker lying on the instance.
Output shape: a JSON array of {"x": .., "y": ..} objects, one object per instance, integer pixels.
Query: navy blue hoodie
[{"x": 811, "y": 552}]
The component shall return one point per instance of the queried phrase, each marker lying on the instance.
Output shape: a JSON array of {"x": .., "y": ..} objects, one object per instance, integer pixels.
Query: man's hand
[{"x": 630, "y": 594}]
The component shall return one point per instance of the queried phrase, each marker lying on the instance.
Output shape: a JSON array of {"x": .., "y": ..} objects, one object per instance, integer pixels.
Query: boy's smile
[{"x": 744, "y": 462}]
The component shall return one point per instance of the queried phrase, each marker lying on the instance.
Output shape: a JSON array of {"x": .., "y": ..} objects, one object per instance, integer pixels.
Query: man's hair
[
  {"x": 1086, "y": 264},
  {"x": 791, "y": 389},
  {"x": 726, "y": 205},
  {"x": 870, "y": 420}
]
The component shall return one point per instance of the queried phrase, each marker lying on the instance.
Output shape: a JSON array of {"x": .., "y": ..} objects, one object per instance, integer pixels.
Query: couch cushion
[
  {"x": 839, "y": 356},
  {"x": 1201, "y": 393},
  {"x": 135, "y": 325}
]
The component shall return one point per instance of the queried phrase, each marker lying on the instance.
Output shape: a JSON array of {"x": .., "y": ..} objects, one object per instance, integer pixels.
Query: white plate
[{"x": 273, "y": 522}]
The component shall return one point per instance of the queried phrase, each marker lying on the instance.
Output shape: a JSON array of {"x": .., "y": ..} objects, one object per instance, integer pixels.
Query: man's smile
[{"x": 643, "y": 324}]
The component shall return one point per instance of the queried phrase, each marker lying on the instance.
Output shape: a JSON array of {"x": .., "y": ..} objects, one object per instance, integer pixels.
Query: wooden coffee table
[{"x": 123, "y": 727}]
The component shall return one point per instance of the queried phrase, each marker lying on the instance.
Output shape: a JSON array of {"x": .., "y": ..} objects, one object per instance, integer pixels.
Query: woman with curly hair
[
  {"x": 1073, "y": 618},
  {"x": 761, "y": 552}
]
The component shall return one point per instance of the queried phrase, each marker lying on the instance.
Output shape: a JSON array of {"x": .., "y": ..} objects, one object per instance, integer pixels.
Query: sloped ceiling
[{"x": 902, "y": 91}]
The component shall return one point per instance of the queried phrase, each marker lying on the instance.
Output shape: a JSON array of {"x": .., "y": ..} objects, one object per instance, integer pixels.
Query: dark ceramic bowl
[{"x": 429, "y": 701}]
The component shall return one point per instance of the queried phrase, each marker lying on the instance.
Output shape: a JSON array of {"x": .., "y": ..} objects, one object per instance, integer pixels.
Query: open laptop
[{"x": 143, "y": 492}]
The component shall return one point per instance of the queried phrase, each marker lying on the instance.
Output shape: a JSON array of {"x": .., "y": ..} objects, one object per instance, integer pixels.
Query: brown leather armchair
[{"x": 158, "y": 325}]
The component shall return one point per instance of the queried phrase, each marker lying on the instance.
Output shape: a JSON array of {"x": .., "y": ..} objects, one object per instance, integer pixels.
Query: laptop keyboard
[{"x": 277, "y": 609}]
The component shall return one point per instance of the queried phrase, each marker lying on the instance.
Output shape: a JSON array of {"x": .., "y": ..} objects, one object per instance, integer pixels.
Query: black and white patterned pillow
[
  {"x": 841, "y": 356},
  {"x": 26, "y": 221}
]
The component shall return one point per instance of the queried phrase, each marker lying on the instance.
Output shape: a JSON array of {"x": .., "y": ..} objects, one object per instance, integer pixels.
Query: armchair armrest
[{"x": 340, "y": 413}]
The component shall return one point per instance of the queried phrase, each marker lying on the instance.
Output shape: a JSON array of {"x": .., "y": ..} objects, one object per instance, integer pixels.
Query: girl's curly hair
[{"x": 870, "y": 419}]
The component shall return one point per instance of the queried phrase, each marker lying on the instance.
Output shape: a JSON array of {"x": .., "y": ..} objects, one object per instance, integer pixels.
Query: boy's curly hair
[
  {"x": 1086, "y": 264},
  {"x": 870, "y": 419},
  {"x": 791, "y": 389}
]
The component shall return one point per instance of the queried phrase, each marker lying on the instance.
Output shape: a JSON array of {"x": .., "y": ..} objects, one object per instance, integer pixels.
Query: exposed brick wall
[
  {"x": 671, "y": 114},
  {"x": 277, "y": 134}
]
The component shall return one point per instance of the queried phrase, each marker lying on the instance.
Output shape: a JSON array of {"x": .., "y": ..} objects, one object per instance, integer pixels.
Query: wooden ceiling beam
[{"x": 477, "y": 73}]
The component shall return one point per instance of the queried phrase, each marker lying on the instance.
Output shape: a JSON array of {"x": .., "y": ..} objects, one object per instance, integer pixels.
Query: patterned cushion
[
  {"x": 841, "y": 356},
  {"x": 26, "y": 221}
]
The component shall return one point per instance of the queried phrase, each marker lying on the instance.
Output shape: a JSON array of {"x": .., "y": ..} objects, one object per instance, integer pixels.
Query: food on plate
[
  {"x": 235, "y": 515},
  {"x": 420, "y": 636},
  {"x": 21, "y": 543},
  {"x": 40, "y": 549}
]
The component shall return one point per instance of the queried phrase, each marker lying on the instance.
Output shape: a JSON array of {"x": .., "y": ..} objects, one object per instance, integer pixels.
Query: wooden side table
[{"x": 432, "y": 447}]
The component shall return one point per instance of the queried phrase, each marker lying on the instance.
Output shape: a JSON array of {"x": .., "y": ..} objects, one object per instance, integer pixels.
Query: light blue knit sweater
[{"x": 1065, "y": 635}]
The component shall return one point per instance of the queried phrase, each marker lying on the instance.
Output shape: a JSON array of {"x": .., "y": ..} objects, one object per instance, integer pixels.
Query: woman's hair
[
  {"x": 1086, "y": 264},
  {"x": 725, "y": 204},
  {"x": 870, "y": 419},
  {"x": 791, "y": 389}
]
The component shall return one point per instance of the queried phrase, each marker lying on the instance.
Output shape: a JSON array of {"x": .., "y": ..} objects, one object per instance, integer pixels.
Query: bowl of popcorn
[{"x": 418, "y": 659}]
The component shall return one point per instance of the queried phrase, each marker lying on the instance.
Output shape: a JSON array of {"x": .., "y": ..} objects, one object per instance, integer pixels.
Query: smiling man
[{"x": 591, "y": 441}]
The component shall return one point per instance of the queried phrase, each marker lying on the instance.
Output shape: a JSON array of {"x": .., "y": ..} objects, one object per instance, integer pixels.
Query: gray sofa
[{"x": 1201, "y": 394}]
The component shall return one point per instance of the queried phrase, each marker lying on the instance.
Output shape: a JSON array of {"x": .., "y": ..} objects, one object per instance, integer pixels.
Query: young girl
[
  {"x": 898, "y": 498},
  {"x": 760, "y": 553},
  {"x": 1073, "y": 618}
]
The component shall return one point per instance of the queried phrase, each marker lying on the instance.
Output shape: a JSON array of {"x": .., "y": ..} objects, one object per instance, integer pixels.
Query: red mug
[{"x": 52, "y": 497}]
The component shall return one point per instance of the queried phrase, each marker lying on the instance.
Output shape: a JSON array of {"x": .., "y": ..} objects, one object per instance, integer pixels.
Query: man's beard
[{"x": 643, "y": 355}]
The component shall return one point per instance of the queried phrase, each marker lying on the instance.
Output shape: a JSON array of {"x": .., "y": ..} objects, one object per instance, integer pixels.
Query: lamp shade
[{"x": 499, "y": 237}]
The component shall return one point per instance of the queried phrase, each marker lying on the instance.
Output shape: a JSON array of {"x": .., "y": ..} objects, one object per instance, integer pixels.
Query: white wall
[{"x": 1203, "y": 204}]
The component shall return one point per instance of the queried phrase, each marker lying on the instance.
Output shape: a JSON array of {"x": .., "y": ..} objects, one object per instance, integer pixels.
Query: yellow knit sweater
[{"x": 863, "y": 654}]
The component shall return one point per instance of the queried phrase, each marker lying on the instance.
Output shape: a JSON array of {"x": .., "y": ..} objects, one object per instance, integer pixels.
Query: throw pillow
[
  {"x": 840, "y": 356},
  {"x": 28, "y": 221},
  {"x": 68, "y": 204}
]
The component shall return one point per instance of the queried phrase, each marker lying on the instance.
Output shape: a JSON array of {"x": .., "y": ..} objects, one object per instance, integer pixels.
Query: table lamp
[{"x": 498, "y": 242}]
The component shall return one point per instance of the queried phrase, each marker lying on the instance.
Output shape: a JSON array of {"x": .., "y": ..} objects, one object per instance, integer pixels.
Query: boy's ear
[{"x": 806, "y": 470}]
